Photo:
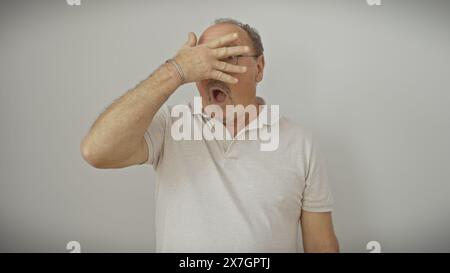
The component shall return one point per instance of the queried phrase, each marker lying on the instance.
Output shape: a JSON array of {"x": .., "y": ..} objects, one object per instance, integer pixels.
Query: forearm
[{"x": 118, "y": 131}]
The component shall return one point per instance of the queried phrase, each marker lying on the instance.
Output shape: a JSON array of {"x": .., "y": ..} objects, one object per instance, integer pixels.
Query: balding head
[{"x": 248, "y": 35}]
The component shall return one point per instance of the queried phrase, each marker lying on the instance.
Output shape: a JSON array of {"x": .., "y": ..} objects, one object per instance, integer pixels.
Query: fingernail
[
  {"x": 235, "y": 35},
  {"x": 247, "y": 48},
  {"x": 244, "y": 68},
  {"x": 235, "y": 80}
]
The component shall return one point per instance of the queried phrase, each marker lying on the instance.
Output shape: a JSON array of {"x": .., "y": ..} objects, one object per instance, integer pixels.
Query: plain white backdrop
[{"x": 372, "y": 82}]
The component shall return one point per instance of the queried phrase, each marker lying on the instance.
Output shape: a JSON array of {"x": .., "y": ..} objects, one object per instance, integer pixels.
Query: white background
[{"x": 371, "y": 81}]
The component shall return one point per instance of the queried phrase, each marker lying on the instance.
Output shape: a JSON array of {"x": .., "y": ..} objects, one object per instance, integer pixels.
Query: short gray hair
[{"x": 252, "y": 33}]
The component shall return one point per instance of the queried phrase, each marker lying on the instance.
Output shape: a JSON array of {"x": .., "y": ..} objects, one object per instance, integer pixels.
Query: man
[{"x": 221, "y": 195}]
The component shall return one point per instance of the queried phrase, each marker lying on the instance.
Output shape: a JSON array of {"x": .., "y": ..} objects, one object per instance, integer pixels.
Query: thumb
[{"x": 192, "y": 40}]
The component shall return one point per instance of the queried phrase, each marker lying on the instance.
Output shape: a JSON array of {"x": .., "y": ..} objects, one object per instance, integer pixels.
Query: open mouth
[{"x": 218, "y": 94}]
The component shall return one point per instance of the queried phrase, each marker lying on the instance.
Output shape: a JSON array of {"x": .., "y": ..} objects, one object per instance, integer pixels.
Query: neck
[{"x": 242, "y": 122}]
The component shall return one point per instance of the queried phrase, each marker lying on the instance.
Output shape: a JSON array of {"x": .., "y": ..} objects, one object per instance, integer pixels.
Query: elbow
[{"x": 90, "y": 155}]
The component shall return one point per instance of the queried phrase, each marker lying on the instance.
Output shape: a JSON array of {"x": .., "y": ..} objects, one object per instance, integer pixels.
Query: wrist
[
  {"x": 176, "y": 71},
  {"x": 164, "y": 80},
  {"x": 171, "y": 75}
]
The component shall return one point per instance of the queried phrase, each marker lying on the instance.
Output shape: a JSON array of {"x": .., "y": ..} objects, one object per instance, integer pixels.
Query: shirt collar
[{"x": 263, "y": 117}]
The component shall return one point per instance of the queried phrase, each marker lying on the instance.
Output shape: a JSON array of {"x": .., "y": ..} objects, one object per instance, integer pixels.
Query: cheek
[
  {"x": 246, "y": 80},
  {"x": 244, "y": 89},
  {"x": 247, "y": 77}
]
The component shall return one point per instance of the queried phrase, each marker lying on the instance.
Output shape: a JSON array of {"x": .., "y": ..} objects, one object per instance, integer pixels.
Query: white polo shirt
[{"x": 229, "y": 196}]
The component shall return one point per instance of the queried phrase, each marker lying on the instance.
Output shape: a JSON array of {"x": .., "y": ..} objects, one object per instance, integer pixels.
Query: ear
[{"x": 260, "y": 62}]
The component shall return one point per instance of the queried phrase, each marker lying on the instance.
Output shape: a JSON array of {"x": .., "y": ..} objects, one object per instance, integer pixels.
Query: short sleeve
[
  {"x": 155, "y": 134},
  {"x": 317, "y": 195}
]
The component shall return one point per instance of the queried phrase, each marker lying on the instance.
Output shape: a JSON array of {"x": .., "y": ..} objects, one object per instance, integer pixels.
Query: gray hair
[{"x": 252, "y": 33}]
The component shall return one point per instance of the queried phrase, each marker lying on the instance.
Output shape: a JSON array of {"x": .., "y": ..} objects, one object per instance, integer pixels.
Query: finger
[
  {"x": 192, "y": 40},
  {"x": 221, "y": 41},
  {"x": 230, "y": 68},
  {"x": 224, "y": 52},
  {"x": 220, "y": 76}
]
